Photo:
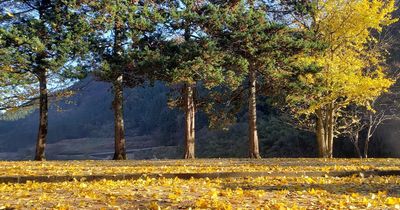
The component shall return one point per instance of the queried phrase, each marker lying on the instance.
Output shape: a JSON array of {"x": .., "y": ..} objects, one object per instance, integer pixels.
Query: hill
[
  {"x": 81, "y": 127},
  {"x": 153, "y": 130}
]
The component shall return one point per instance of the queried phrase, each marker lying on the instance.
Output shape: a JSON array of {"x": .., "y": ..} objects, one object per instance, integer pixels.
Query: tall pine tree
[
  {"x": 121, "y": 34},
  {"x": 41, "y": 45},
  {"x": 263, "y": 48},
  {"x": 188, "y": 59}
]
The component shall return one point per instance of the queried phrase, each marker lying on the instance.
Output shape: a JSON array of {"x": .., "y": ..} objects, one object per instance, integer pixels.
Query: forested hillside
[
  {"x": 85, "y": 119},
  {"x": 88, "y": 115}
]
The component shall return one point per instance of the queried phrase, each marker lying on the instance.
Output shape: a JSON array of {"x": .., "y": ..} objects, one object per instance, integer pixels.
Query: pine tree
[
  {"x": 121, "y": 32},
  {"x": 41, "y": 45},
  {"x": 262, "y": 49},
  {"x": 189, "y": 60}
]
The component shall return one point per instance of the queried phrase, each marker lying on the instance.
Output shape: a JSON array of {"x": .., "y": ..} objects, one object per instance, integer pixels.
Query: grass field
[{"x": 287, "y": 184}]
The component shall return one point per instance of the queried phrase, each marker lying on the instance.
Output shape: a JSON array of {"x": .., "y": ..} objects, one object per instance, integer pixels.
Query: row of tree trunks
[
  {"x": 119, "y": 134},
  {"x": 119, "y": 129},
  {"x": 325, "y": 131},
  {"x": 190, "y": 112}
]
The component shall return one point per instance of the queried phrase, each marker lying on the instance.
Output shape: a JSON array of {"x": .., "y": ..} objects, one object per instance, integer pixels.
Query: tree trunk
[
  {"x": 366, "y": 144},
  {"x": 330, "y": 122},
  {"x": 190, "y": 112},
  {"x": 254, "y": 151},
  {"x": 325, "y": 123},
  {"x": 320, "y": 132},
  {"x": 355, "y": 143},
  {"x": 119, "y": 135},
  {"x": 43, "y": 117},
  {"x": 358, "y": 151},
  {"x": 367, "y": 139}
]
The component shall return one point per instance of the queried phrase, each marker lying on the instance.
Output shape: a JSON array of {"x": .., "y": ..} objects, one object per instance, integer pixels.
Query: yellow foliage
[
  {"x": 352, "y": 70},
  {"x": 88, "y": 168},
  {"x": 154, "y": 206}
]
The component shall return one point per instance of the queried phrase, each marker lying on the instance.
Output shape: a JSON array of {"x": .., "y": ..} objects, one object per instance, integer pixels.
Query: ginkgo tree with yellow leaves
[{"x": 350, "y": 70}]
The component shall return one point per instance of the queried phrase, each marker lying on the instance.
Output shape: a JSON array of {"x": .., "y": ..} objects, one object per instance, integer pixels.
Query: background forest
[{"x": 86, "y": 119}]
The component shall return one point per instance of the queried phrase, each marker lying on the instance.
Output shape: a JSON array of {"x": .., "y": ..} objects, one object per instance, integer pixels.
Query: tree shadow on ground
[{"x": 367, "y": 188}]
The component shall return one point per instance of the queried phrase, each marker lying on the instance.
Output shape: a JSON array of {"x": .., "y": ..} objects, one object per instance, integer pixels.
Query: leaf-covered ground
[
  {"x": 279, "y": 192},
  {"x": 58, "y": 168},
  {"x": 263, "y": 192}
]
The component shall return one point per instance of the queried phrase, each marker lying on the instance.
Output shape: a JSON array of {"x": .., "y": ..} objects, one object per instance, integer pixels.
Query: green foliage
[
  {"x": 37, "y": 36},
  {"x": 254, "y": 41},
  {"x": 186, "y": 54},
  {"x": 121, "y": 32}
]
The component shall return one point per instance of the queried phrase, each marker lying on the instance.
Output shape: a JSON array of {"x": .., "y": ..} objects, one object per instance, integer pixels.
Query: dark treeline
[
  {"x": 310, "y": 60},
  {"x": 86, "y": 118}
]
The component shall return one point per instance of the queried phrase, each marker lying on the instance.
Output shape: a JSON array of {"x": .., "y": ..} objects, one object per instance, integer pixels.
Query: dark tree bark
[
  {"x": 119, "y": 129},
  {"x": 254, "y": 151},
  {"x": 325, "y": 131},
  {"x": 190, "y": 112},
  {"x": 367, "y": 139},
  {"x": 118, "y": 87},
  {"x": 331, "y": 124},
  {"x": 43, "y": 117},
  {"x": 358, "y": 151},
  {"x": 355, "y": 140},
  {"x": 320, "y": 132},
  {"x": 43, "y": 92}
]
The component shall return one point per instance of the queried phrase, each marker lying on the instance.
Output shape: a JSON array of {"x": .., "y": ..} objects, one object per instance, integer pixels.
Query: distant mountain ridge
[
  {"x": 81, "y": 127},
  {"x": 88, "y": 114}
]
